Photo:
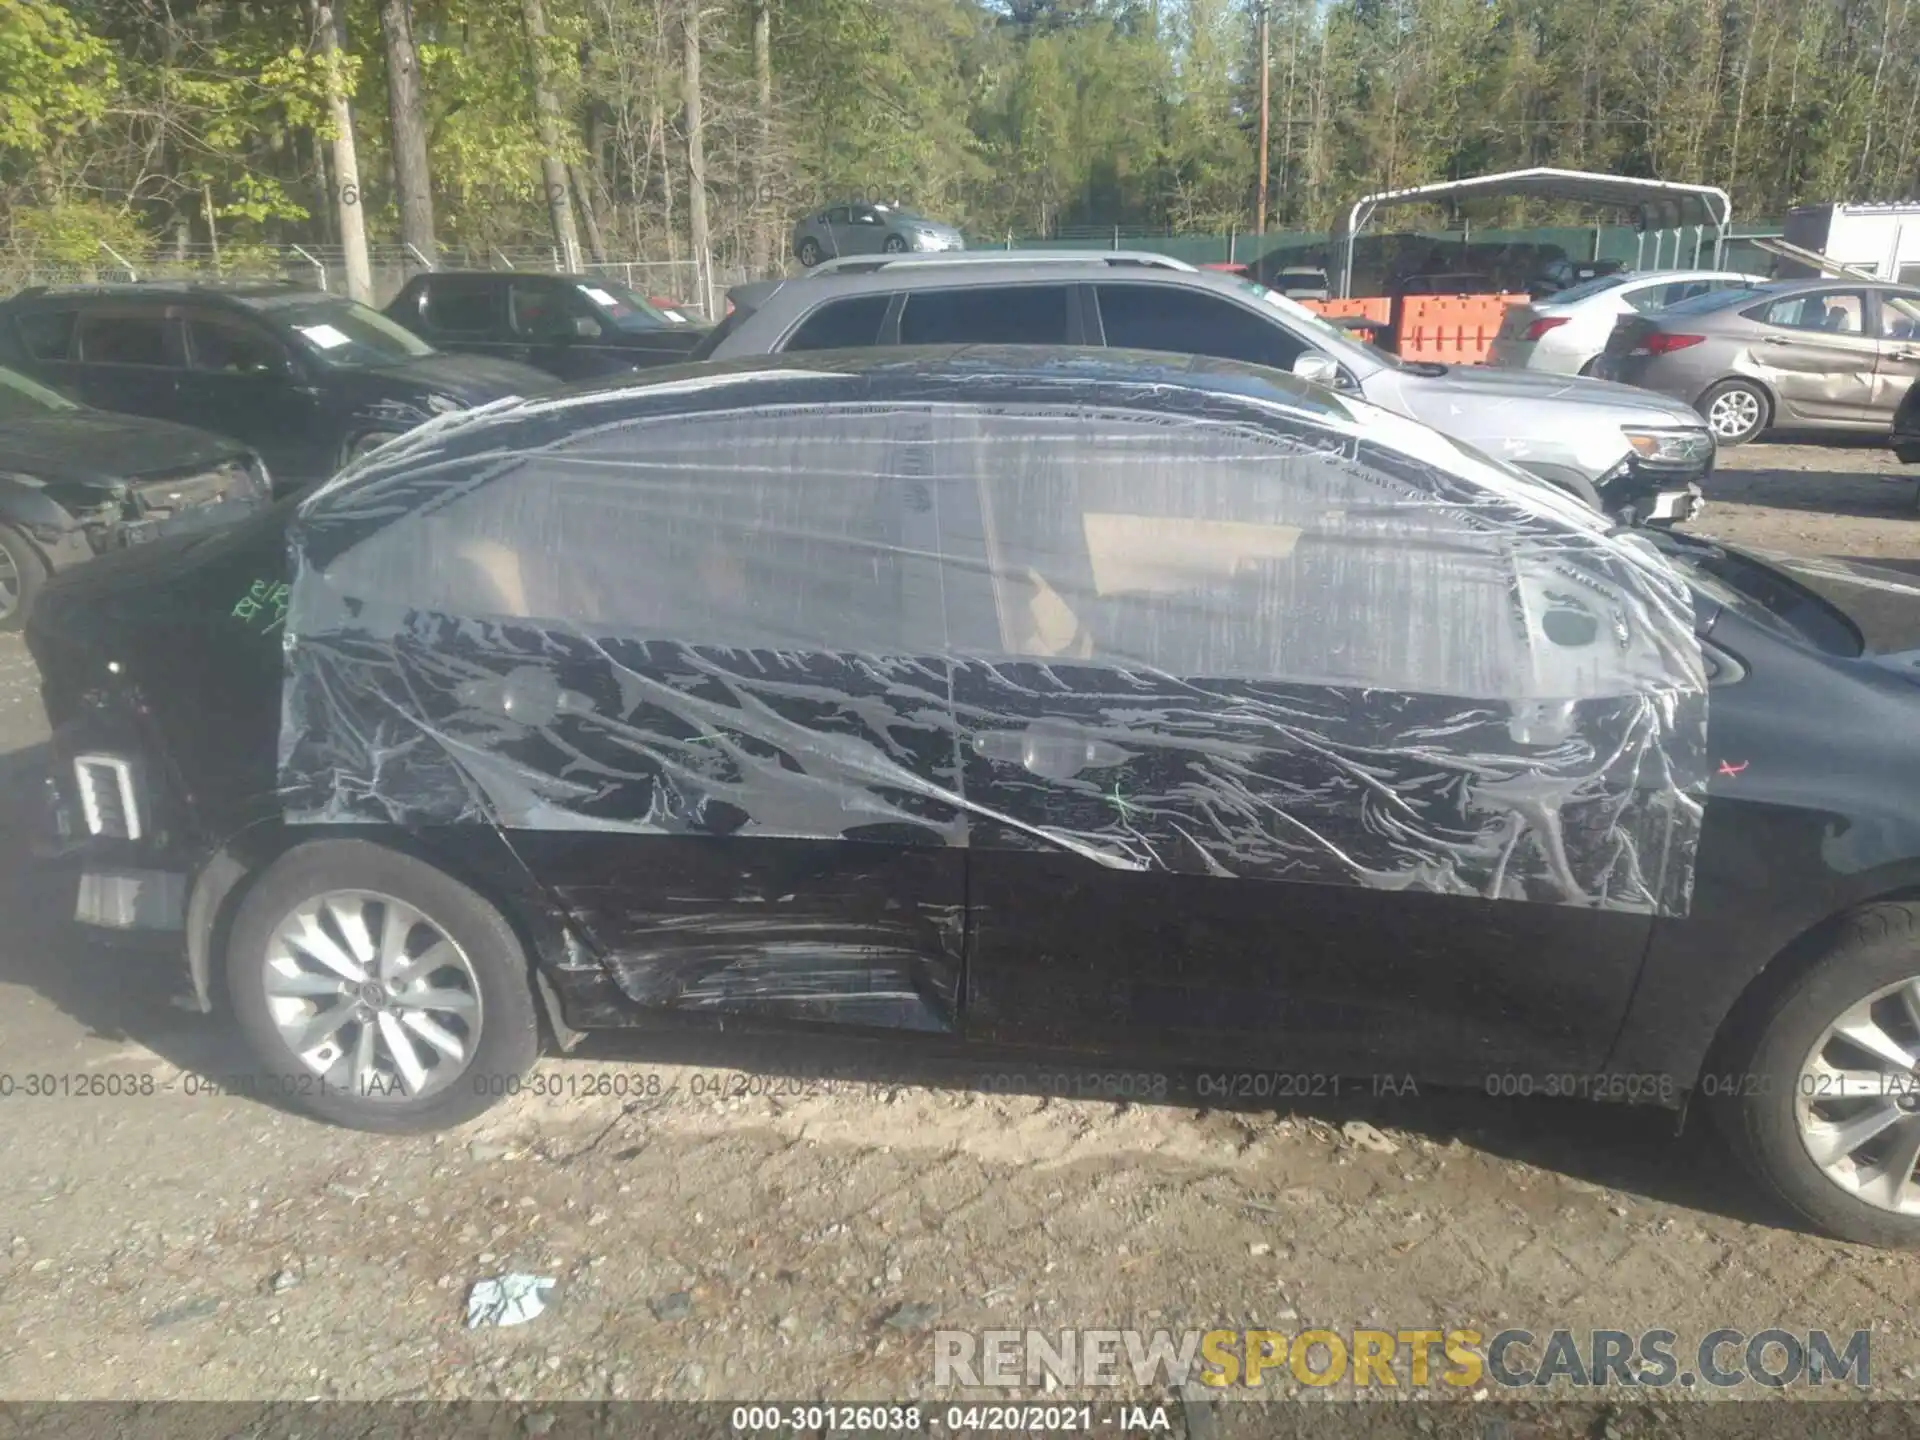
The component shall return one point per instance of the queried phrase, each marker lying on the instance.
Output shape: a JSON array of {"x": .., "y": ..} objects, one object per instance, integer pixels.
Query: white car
[{"x": 1566, "y": 332}]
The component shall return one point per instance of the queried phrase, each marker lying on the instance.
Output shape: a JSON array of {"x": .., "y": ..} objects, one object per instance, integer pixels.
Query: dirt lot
[{"x": 762, "y": 1247}]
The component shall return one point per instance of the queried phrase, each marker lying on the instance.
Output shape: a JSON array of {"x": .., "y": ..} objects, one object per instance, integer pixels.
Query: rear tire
[
  {"x": 894, "y": 245},
  {"x": 1776, "y": 1097},
  {"x": 1736, "y": 411},
  {"x": 809, "y": 252},
  {"x": 22, "y": 573},
  {"x": 336, "y": 898}
]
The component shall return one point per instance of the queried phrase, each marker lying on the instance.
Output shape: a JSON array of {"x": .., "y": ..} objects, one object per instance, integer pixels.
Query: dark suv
[
  {"x": 573, "y": 326},
  {"x": 308, "y": 379}
]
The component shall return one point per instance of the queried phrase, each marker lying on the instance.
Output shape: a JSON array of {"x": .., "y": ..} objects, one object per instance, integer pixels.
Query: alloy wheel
[
  {"x": 372, "y": 995},
  {"x": 1733, "y": 414},
  {"x": 1858, "y": 1110}
]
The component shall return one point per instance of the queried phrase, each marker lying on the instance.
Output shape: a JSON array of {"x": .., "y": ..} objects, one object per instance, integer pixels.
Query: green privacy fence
[{"x": 1511, "y": 256}]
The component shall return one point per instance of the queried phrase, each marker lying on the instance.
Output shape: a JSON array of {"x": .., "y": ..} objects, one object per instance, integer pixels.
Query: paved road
[{"x": 167, "y": 1245}]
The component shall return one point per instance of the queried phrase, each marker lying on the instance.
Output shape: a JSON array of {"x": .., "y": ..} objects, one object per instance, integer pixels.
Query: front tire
[
  {"x": 378, "y": 992},
  {"x": 1821, "y": 1097},
  {"x": 1736, "y": 411},
  {"x": 22, "y": 573}
]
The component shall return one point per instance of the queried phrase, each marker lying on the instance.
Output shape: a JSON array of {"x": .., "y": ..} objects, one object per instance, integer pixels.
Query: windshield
[
  {"x": 347, "y": 335},
  {"x": 22, "y": 399},
  {"x": 1586, "y": 288},
  {"x": 1319, "y": 326},
  {"x": 622, "y": 307}
]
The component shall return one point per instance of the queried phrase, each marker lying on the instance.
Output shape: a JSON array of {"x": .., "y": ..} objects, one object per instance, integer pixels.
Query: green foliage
[
  {"x": 71, "y": 233},
  {"x": 54, "y": 77}
]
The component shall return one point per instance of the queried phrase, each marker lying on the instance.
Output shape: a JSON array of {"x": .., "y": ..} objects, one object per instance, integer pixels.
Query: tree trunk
[
  {"x": 345, "y": 199},
  {"x": 583, "y": 189},
  {"x": 697, "y": 237},
  {"x": 553, "y": 166},
  {"x": 408, "y": 122},
  {"x": 761, "y": 228}
]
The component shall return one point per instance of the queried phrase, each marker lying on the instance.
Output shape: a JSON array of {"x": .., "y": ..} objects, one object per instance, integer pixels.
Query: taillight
[
  {"x": 1540, "y": 327},
  {"x": 1661, "y": 343}
]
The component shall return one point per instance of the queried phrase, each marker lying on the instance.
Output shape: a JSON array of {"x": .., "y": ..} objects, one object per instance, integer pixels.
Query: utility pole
[{"x": 1260, "y": 211}]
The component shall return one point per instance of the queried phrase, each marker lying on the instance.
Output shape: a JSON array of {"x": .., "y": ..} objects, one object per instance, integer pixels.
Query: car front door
[
  {"x": 129, "y": 358},
  {"x": 691, "y": 667},
  {"x": 241, "y": 380},
  {"x": 1899, "y": 364},
  {"x": 1278, "y": 752},
  {"x": 1818, "y": 356}
]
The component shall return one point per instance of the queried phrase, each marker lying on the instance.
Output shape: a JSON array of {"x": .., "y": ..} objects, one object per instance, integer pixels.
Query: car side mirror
[{"x": 1316, "y": 369}]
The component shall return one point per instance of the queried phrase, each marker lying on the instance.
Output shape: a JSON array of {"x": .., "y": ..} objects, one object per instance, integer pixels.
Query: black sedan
[
  {"x": 75, "y": 483},
  {"x": 1056, "y": 699}
]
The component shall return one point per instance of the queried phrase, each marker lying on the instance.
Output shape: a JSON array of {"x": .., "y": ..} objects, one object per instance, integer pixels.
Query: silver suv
[{"x": 1638, "y": 456}]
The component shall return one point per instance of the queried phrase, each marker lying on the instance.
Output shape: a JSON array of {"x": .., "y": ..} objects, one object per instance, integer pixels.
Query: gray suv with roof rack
[
  {"x": 309, "y": 380},
  {"x": 1637, "y": 456}
]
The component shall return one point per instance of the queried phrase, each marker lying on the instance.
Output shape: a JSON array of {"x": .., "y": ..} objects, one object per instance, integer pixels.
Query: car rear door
[
  {"x": 129, "y": 357},
  {"x": 467, "y": 314},
  {"x": 1037, "y": 314},
  {"x": 1192, "y": 322},
  {"x": 691, "y": 666},
  {"x": 1817, "y": 355},
  {"x": 1898, "y": 322},
  {"x": 1265, "y": 762}
]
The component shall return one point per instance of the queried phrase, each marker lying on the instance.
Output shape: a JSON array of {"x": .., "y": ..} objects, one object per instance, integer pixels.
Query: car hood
[
  {"x": 1487, "y": 382},
  {"x": 97, "y": 447},
  {"x": 469, "y": 379}
]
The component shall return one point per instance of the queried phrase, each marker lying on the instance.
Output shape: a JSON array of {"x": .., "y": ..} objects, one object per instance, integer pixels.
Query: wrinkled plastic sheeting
[{"x": 1160, "y": 629}]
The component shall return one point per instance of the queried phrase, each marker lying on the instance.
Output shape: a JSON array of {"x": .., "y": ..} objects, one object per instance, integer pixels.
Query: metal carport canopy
[{"x": 1679, "y": 205}]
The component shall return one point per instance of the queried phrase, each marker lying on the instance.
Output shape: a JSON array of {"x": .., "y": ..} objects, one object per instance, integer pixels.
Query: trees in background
[{"x": 675, "y": 127}]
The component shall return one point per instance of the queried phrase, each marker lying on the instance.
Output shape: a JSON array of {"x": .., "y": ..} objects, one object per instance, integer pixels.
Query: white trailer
[{"x": 1883, "y": 240}]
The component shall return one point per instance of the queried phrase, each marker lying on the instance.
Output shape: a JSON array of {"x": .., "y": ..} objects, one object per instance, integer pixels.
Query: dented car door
[{"x": 690, "y": 666}]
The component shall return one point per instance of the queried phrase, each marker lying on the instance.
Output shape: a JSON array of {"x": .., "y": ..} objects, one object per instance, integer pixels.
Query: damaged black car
[
  {"x": 76, "y": 483},
  {"x": 1054, "y": 699}
]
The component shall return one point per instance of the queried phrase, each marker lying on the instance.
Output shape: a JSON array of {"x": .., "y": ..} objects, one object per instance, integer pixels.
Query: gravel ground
[{"x": 723, "y": 1245}]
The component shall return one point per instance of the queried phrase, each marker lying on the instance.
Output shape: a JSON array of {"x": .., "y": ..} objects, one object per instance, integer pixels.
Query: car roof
[
  {"x": 907, "y": 374},
  {"x": 251, "y": 293},
  {"x": 886, "y": 279}
]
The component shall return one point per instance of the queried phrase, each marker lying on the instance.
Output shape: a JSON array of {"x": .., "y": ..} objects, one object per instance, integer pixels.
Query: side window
[
  {"x": 987, "y": 315},
  {"x": 784, "y": 528},
  {"x": 1190, "y": 322},
  {"x": 839, "y": 215},
  {"x": 124, "y": 340},
  {"x": 1835, "y": 311},
  {"x": 537, "y": 310},
  {"x": 1658, "y": 297},
  {"x": 228, "y": 347},
  {"x": 46, "y": 334},
  {"x": 460, "y": 307},
  {"x": 1899, "y": 317},
  {"x": 1216, "y": 551},
  {"x": 844, "y": 324}
]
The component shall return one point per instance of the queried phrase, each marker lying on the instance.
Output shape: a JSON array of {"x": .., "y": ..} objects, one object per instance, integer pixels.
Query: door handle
[
  {"x": 1775, "y": 340},
  {"x": 1051, "y": 751}
]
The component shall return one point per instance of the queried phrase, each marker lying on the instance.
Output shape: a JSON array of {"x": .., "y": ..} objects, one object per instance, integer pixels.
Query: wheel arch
[
  {"x": 1686, "y": 1056},
  {"x": 223, "y": 882}
]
